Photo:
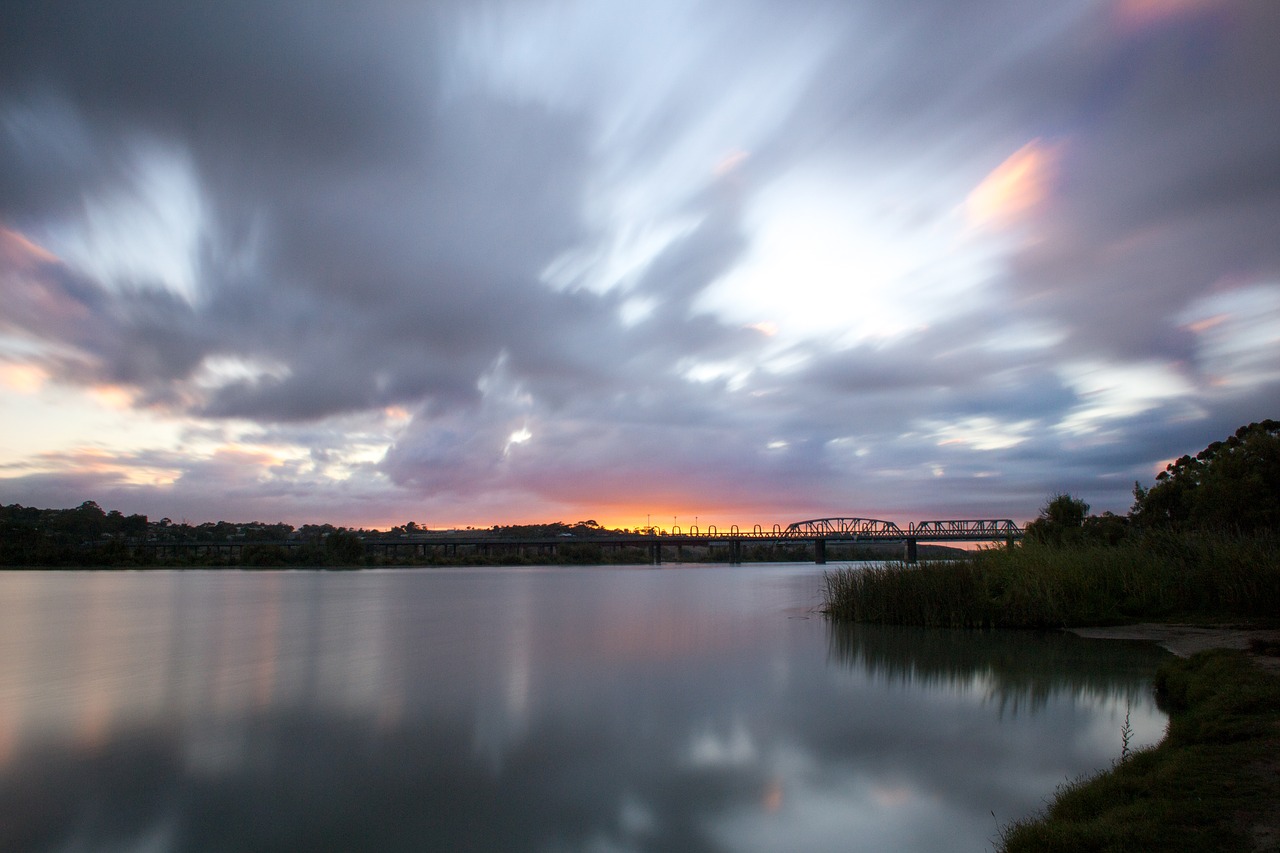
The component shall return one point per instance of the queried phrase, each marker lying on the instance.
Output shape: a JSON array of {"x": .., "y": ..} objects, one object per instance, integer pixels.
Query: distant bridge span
[
  {"x": 819, "y": 531},
  {"x": 945, "y": 530},
  {"x": 877, "y": 530}
]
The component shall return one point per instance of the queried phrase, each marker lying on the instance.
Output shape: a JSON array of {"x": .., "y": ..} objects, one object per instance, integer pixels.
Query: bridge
[
  {"x": 818, "y": 531},
  {"x": 653, "y": 542}
]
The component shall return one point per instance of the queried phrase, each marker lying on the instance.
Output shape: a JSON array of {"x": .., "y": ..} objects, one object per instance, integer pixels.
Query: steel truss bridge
[
  {"x": 657, "y": 542},
  {"x": 822, "y": 530},
  {"x": 818, "y": 531}
]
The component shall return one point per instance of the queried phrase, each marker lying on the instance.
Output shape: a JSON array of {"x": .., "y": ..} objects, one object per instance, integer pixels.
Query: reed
[{"x": 1157, "y": 577}]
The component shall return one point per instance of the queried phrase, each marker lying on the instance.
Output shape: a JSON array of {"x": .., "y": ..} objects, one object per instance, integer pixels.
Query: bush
[{"x": 1035, "y": 585}]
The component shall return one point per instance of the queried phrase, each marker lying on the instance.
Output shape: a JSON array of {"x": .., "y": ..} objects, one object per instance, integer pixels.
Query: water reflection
[
  {"x": 525, "y": 710},
  {"x": 1019, "y": 670}
]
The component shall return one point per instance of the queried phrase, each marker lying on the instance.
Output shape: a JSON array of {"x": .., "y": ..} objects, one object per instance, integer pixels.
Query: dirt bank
[{"x": 1186, "y": 640}]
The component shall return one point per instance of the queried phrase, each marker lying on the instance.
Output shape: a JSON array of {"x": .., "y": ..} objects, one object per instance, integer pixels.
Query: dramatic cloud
[{"x": 468, "y": 263}]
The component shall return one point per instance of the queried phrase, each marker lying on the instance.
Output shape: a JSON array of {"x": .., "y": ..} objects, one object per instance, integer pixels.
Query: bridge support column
[
  {"x": 820, "y": 551},
  {"x": 912, "y": 552},
  {"x": 735, "y": 552},
  {"x": 655, "y": 554}
]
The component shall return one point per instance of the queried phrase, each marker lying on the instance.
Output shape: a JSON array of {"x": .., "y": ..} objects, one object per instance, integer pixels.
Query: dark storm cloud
[
  {"x": 404, "y": 229},
  {"x": 278, "y": 80},
  {"x": 146, "y": 337},
  {"x": 403, "y": 232}
]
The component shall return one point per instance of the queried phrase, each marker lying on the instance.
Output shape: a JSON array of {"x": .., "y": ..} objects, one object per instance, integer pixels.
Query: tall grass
[{"x": 1158, "y": 577}]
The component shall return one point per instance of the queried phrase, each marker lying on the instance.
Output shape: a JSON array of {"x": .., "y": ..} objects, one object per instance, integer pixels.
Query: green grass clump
[
  {"x": 1038, "y": 586},
  {"x": 1202, "y": 789}
]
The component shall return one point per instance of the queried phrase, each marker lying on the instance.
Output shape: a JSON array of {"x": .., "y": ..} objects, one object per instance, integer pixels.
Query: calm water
[{"x": 598, "y": 709}]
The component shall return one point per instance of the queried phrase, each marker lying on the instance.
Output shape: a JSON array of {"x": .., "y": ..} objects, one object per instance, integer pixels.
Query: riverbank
[
  {"x": 1166, "y": 578},
  {"x": 1186, "y": 640},
  {"x": 1213, "y": 782}
]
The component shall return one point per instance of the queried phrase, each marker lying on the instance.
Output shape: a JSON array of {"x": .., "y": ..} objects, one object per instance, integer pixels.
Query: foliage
[
  {"x": 1198, "y": 790},
  {"x": 87, "y": 535},
  {"x": 1160, "y": 576},
  {"x": 84, "y": 535},
  {"x": 556, "y": 528},
  {"x": 343, "y": 548},
  {"x": 1061, "y": 521},
  {"x": 1105, "y": 529},
  {"x": 1230, "y": 485}
]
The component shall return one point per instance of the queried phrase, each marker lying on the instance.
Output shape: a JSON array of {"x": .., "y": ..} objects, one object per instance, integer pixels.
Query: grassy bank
[
  {"x": 1156, "y": 578},
  {"x": 1211, "y": 785},
  {"x": 1215, "y": 778}
]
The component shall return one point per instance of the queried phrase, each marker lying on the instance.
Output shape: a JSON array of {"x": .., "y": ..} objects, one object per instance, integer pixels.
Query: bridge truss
[
  {"x": 972, "y": 529},
  {"x": 942, "y": 530},
  {"x": 844, "y": 528}
]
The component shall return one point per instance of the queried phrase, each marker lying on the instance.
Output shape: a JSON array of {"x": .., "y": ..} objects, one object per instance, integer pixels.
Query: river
[{"x": 680, "y": 708}]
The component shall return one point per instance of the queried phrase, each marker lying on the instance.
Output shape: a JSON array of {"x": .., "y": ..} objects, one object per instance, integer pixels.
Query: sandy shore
[{"x": 1186, "y": 640}]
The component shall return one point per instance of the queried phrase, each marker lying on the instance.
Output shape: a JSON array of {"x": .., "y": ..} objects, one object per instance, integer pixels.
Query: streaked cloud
[
  {"x": 1014, "y": 189},
  {"x": 1139, "y": 13},
  {"x": 518, "y": 260}
]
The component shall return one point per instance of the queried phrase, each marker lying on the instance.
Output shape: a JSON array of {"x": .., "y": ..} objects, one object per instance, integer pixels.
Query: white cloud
[
  {"x": 1237, "y": 335},
  {"x": 145, "y": 234}
]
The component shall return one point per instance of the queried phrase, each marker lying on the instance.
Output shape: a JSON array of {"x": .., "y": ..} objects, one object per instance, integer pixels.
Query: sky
[{"x": 694, "y": 262}]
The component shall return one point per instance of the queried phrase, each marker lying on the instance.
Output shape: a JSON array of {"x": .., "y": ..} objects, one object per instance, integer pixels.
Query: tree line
[
  {"x": 87, "y": 535},
  {"x": 1231, "y": 487}
]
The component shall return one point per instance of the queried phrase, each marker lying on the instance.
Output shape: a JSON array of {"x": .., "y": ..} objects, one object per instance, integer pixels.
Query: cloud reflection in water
[{"x": 526, "y": 710}]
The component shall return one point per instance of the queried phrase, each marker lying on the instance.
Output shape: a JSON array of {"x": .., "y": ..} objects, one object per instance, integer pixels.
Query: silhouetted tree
[
  {"x": 1061, "y": 521},
  {"x": 1230, "y": 485},
  {"x": 1106, "y": 529},
  {"x": 344, "y": 548}
]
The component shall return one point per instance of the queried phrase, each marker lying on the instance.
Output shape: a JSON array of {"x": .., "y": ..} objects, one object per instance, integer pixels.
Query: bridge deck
[{"x": 820, "y": 532}]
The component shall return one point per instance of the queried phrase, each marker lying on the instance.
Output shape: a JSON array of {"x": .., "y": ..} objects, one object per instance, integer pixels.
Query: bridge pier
[
  {"x": 912, "y": 551},
  {"x": 735, "y": 552},
  {"x": 655, "y": 554},
  {"x": 820, "y": 551}
]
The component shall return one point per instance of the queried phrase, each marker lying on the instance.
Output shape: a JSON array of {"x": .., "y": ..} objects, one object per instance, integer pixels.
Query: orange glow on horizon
[{"x": 723, "y": 521}]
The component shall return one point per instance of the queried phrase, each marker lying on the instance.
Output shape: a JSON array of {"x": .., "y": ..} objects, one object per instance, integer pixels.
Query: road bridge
[
  {"x": 652, "y": 541},
  {"x": 819, "y": 531}
]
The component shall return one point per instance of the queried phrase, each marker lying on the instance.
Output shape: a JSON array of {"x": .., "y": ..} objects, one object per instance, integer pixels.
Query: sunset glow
[{"x": 1015, "y": 188}]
